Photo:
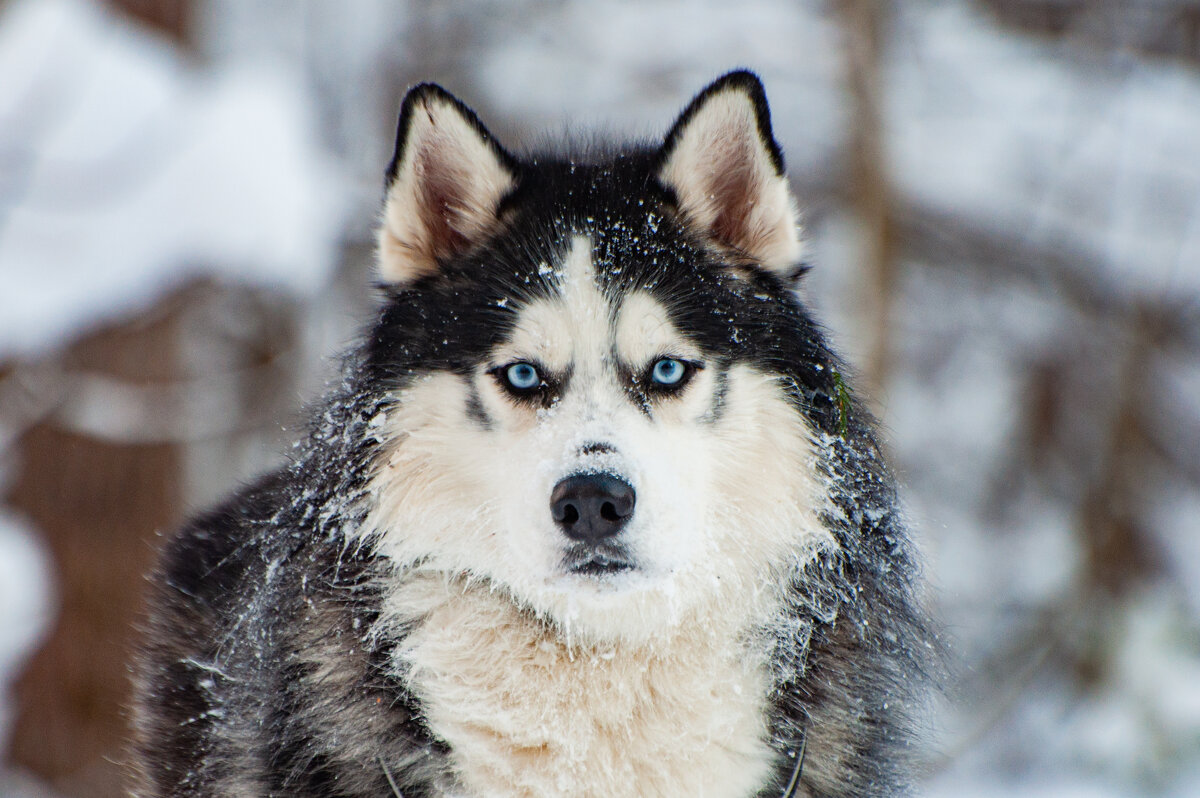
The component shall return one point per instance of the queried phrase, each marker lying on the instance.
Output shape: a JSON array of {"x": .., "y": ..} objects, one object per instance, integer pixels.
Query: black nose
[{"x": 591, "y": 507}]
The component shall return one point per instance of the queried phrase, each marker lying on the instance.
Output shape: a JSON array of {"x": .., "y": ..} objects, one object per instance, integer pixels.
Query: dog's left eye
[
  {"x": 669, "y": 372},
  {"x": 522, "y": 377}
]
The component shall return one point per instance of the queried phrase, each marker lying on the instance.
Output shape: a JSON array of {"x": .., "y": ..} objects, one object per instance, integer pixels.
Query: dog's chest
[{"x": 526, "y": 715}]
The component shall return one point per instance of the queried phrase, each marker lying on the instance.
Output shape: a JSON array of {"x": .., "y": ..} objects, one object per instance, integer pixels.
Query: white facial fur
[{"x": 722, "y": 504}]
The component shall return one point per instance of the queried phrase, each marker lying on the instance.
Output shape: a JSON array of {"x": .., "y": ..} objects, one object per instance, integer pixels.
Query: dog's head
[{"x": 598, "y": 367}]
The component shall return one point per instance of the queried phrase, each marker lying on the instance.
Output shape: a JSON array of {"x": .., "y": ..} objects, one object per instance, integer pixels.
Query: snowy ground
[{"x": 286, "y": 122}]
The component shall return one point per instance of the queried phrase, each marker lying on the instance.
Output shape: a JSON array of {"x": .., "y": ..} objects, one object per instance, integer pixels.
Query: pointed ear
[
  {"x": 726, "y": 171},
  {"x": 444, "y": 185}
]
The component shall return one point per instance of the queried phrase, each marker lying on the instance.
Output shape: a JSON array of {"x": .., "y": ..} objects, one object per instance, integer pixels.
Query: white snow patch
[
  {"x": 25, "y": 605},
  {"x": 136, "y": 173},
  {"x": 1097, "y": 157}
]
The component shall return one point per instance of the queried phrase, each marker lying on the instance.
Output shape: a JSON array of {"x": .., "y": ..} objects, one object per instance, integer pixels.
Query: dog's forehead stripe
[
  {"x": 580, "y": 291},
  {"x": 570, "y": 329},
  {"x": 581, "y": 327}
]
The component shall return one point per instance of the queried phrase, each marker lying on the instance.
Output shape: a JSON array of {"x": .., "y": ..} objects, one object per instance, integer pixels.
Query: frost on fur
[{"x": 403, "y": 608}]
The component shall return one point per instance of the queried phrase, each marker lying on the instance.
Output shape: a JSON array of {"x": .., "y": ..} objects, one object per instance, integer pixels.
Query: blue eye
[
  {"x": 668, "y": 371},
  {"x": 522, "y": 376}
]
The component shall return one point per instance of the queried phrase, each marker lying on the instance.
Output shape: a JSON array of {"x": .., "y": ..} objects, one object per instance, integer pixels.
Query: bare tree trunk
[
  {"x": 863, "y": 24},
  {"x": 97, "y": 505},
  {"x": 171, "y": 17}
]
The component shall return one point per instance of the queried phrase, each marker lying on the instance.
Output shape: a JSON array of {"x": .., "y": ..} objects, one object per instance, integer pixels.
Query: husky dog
[{"x": 591, "y": 513}]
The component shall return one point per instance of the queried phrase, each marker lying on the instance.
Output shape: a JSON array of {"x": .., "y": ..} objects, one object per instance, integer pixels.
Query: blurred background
[{"x": 1002, "y": 203}]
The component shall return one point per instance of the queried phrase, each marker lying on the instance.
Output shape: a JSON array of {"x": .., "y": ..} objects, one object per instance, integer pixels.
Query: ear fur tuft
[
  {"x": 444, "y": 185},
  {"x": 726, "y": 169}
]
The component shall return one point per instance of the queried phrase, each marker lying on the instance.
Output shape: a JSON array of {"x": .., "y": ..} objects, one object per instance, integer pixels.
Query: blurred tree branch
[
  {"x": 946, "y": 241},
  {"x": 1160, "y": 28}
]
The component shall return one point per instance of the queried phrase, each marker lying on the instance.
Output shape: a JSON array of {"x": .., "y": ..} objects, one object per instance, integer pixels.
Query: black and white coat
[{"x": 400, "y": 611}]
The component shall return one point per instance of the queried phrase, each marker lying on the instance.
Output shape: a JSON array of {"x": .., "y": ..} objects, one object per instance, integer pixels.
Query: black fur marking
[
  {"x": 720, "y": 392},
  {"x": 475, "y": 408},
  {"x": 635, "y": 390}
]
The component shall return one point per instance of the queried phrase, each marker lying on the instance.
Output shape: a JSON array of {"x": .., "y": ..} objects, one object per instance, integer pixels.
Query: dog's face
[{"x": 587, "y": 415}]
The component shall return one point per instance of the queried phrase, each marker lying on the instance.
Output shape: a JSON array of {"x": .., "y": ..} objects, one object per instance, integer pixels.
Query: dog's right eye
[{"x": 521, "y": 377}]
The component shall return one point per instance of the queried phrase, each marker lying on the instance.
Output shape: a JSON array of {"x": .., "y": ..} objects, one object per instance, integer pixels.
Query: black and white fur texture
[{"x": 406, "y": 609}]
